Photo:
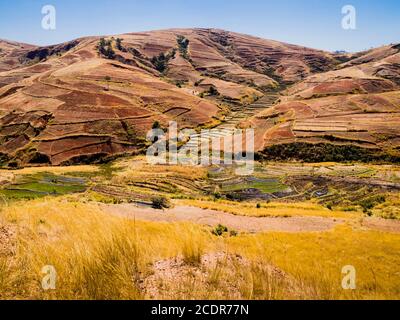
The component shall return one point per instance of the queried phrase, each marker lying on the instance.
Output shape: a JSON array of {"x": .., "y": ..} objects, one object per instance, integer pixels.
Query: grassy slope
[
  {"x": 269, "y": 209},
  {"x": 109, "y": 261}
]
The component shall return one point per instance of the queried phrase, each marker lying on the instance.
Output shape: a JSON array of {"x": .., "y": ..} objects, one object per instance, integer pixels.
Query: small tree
[
  {"x": 109, "y": 52},
  {"x": 102, "y": 46},
  {"x": 118, "y": 44},
  {"x": 160, "y": 62},
  {"x": 183, "y": 44},
  {"x": 219, "y": 230},
  {"x": 213, "y": 91},
  {"x": 105, "y": 48}
]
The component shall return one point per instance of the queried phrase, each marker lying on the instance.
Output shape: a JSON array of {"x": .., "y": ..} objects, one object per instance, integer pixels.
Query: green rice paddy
[{"x": 41, "y": 185}]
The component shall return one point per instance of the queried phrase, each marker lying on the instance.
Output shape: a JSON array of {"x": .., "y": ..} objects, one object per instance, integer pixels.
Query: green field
[{"x": 41, "y": 185}]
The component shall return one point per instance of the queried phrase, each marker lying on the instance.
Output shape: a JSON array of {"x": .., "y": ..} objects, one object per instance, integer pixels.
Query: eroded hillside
[
  {"x": 95, "y": 98},
  {"x": 350, "y": 113}
]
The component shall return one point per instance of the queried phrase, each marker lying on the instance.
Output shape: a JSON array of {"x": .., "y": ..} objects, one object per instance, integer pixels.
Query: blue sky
[{"x": 312, "y": 23}]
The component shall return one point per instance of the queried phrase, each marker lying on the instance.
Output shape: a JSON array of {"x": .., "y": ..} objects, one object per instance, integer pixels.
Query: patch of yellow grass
[
  {"x": 390, "y": 209},
  {"x": 96, "y": 256},
  {"x": 141, "y": 169},
  {"x": 99, "y": 256},
  {"x": 315, "y": 260},
  {"x": 55, "y": 170},
  {"x": 273, "y": 209}
]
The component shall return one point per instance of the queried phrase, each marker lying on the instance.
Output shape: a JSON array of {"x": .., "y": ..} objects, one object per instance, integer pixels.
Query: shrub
[
  {"x": 370, "y": 203},
  {"x": 217, "y": 195},
  {"x": 235, "y": 197},
  {"x": 156, "y": 125},
  {"x": 219, "y": 230},
  {"x": 160, "y": 202},
  {"x": 213, "y": 91},
  {"x": 233, "y": 233}
]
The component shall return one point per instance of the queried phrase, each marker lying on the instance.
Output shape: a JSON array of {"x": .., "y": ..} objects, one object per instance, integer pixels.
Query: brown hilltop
[
  {"x": 10, "y": 54},
  {"x": 82, "y": 102}
]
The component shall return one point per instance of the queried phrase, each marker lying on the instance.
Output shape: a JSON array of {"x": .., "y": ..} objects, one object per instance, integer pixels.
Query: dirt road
[{"x": 213, "y": 218}]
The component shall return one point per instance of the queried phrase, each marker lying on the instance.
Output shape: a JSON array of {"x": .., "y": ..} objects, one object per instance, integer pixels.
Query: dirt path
[
  {"x": 384, "y": 225},
  {"x": 213, "y": 218}
]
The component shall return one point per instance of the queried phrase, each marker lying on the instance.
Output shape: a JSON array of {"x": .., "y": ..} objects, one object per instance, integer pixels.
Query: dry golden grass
[
  {"x": 54, "y": 170},
  {"x": 139, "y": 169},
  {"x": 274, "y": 209},
  {"x": 143, "y": 177},
  {"x": 315, "y": 260},
  {"x": 171, "y": 170},
  {"x": 98, "y": 256},
  {"x": 390, "y": 209}
]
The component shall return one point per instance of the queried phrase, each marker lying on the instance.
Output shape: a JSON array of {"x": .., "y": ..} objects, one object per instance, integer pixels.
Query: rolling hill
[{"x": 95, "y": 98}]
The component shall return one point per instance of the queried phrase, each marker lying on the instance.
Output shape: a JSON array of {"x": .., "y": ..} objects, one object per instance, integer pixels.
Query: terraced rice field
[
  {"x": 229, "y": 125},
  {"x": 41, "y": 185}
]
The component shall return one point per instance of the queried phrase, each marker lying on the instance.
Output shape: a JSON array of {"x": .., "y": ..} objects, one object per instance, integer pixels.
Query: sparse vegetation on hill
[
  {"x": 129, "y": 229},
  {"x": 323, "y": 152},
  {"x": 105, "y": 48},
  {"x": 314, "y": 109}
]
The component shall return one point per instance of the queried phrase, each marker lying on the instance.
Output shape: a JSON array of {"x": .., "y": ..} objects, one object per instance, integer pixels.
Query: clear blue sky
[{"x": 312, "y": 23}]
